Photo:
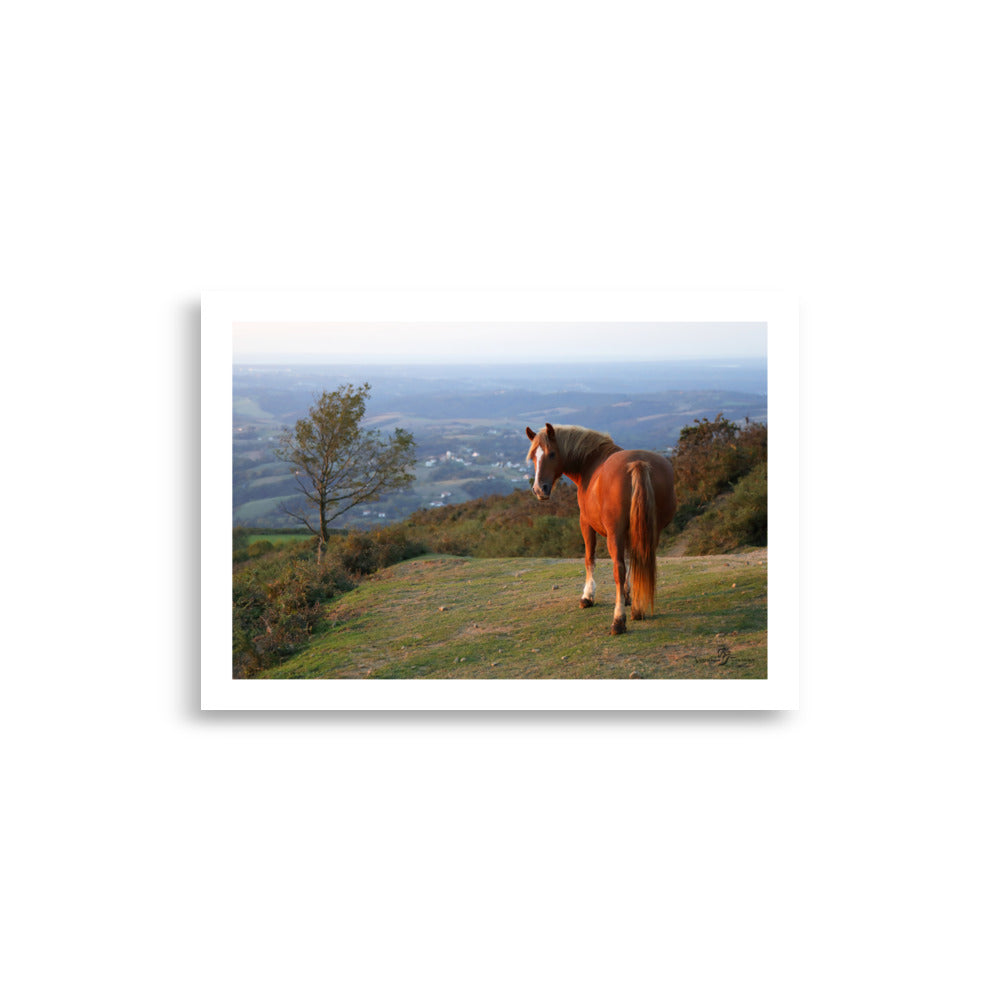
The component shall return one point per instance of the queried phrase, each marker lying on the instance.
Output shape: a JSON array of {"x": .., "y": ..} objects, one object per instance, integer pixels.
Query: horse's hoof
[
  {"x": 638, "y": 616},
  {"x": 586, "y": 602},
  {"x": 618, "y": 626}
]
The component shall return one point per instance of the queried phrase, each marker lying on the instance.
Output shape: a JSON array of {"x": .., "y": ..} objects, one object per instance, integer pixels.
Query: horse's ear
[
  {"x": 551, "y": 432},
  {"x": 530, "y": 433}
]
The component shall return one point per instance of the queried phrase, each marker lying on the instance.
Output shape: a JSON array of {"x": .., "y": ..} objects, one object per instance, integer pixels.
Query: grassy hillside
[
  {"x": 285, "y": 602},
  {"x": 451, "y": 617}
]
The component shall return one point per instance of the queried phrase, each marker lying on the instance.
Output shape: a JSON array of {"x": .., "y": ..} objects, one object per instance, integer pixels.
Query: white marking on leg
[{"x": 589, "y": 588}]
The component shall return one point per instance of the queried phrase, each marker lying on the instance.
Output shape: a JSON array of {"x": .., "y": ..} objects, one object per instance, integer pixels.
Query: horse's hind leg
[
  {"x": 616, "y": 549},
  {"x": 589, "y": 545}
]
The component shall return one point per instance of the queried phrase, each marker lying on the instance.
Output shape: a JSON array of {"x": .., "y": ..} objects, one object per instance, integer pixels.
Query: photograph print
[{"x": 492, "y": 502}]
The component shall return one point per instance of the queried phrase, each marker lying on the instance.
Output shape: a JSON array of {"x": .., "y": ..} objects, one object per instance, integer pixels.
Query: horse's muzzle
[{"x": 542, "y": 491}]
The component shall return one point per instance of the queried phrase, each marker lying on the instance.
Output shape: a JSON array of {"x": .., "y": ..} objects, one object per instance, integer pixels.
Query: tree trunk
[{"x": 323, "y": 536}]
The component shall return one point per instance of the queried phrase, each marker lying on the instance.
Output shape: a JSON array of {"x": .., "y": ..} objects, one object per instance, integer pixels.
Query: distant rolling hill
[{"x": 478, "y": 415}]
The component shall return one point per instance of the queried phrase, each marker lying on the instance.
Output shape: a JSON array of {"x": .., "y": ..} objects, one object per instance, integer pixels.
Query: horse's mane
[{"x": 577, "y": 444}]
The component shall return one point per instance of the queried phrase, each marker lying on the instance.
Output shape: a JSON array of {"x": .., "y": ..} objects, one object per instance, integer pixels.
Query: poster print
[{"x": 545, "y": 501}]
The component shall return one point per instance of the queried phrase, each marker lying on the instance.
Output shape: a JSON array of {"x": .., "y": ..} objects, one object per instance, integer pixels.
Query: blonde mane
[{"x": 575, "y": 444}]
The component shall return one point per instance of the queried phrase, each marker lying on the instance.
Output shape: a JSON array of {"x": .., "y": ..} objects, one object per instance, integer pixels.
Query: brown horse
[{"x": 626, "y": 496}]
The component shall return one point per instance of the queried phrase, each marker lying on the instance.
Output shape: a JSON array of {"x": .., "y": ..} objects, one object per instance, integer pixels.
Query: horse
[{"x": 626, "y": 496}]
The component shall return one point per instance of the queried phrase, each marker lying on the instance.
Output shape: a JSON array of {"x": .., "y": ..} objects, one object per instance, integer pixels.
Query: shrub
[
  {"x": 362, "y": 553},
  {"x": 241, "y": 539},
  {"x": 515, "y": 524},
  {"x": 276, "y": 608},
  {"x": 736, "y": 520},
  {"x": 711, "y": 455},
  {"x": 278, "y": 595}
]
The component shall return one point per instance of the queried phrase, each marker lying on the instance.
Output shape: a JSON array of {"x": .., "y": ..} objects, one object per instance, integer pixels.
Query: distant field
[
  {"x": 258, "y": 508},
  {"x": 281, "y": 539},
  {"x": 249, "y": 409},
  {"x": 448, "y": 617}
]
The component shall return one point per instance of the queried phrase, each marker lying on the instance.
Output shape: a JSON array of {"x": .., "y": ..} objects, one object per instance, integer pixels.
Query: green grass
[
  {"x": 259, "y": 508},
  {"x": 450, "y": 617},
  {"x": 285, "y": 538},
  {"x": 247, "y": 409}
]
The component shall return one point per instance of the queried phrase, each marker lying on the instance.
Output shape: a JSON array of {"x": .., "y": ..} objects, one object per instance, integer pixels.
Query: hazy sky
[{"x": 510, "y": 342}]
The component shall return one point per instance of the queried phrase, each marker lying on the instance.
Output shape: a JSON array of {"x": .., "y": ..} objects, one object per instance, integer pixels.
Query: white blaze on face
[{"x": 538, "y": 464}]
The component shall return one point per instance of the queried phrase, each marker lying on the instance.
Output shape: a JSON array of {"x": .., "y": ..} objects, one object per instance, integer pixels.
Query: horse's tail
[{"x": 642, "y": 539}]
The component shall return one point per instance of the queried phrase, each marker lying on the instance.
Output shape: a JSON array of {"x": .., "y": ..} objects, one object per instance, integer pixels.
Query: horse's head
[{"x": 544, "y": 455}]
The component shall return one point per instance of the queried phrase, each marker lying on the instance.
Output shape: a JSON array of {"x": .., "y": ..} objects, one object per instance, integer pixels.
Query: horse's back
[{"x": 615, "y": 477}]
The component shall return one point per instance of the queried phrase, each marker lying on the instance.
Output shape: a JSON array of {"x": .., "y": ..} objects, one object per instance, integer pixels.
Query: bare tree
[{"x": 338, "y": 464}]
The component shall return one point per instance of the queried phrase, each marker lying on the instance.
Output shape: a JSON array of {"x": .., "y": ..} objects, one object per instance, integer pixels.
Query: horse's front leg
[
  {"x": 589, "y": 545},
  {"x": 616, "y": 549}
]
